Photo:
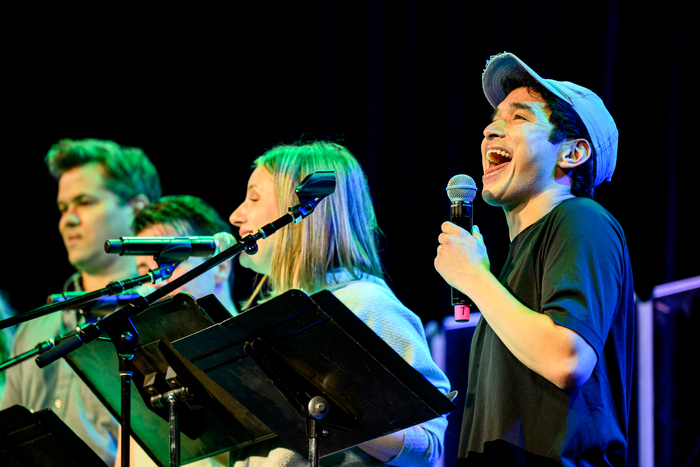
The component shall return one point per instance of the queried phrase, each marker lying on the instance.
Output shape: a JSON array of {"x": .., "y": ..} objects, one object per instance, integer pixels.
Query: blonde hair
[{"x": 340, "y": 235}]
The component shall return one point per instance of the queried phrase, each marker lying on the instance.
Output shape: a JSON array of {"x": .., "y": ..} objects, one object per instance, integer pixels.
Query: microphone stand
[
  {"x": 43, "y": 346},
  {"x": 120, "y": 328},
  {"x": 124, "y": 336},
  {"x": 113, "y": 288}
]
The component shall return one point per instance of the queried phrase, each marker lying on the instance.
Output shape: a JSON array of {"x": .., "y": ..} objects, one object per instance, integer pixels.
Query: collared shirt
[{"x": 57, "y": 386}]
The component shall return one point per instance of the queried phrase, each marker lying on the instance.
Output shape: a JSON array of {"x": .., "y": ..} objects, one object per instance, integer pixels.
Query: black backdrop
[{"x": 204, "y": 90}]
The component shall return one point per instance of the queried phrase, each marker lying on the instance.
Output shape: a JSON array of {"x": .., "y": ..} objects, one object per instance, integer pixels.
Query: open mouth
[{"x": 497, "y": 157}]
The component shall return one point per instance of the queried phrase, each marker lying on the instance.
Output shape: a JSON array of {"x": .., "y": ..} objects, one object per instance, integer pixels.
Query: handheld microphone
[{"x": 461, "y": 191}]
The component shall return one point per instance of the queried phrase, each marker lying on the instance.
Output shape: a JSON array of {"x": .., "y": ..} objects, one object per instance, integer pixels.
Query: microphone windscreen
[
  {"x": 223, "y": 241},
  {"x": 461, "y": 188}
]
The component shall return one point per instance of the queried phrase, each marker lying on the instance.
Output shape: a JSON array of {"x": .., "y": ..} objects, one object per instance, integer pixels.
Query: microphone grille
[{"x": 461, "y": 188}]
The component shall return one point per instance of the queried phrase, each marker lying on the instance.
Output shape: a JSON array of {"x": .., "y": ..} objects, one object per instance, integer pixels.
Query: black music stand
[
  {"x": 210, "y": 421},
  {"x": 277, "y": 358},
  {"x": 41, "y": 439}
]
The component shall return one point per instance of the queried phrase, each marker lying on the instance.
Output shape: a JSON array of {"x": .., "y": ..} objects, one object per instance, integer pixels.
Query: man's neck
[
  {"x": 525, "y": 214},
  {"x": 94, "y": 280}
]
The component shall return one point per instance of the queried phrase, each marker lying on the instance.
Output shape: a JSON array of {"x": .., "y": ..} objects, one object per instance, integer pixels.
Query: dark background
[{"x": 205, "y": 90}]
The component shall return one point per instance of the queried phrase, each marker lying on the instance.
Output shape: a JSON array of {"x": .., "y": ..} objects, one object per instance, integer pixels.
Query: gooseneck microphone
[{"x": 461, "y": 191}]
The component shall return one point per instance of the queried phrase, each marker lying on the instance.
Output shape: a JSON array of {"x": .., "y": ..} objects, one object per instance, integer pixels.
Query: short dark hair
[
  {"x": 567, "y": 125},
  {"x": 188, "y": 215},
  {"x": 128, "y": 170}
]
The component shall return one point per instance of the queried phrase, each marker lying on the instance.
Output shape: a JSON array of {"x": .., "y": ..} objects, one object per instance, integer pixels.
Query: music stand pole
[
  {"x": 171, "y": 399},
  {"x": 125, "y": 338},
  {"x": 317, "y": 410},
  {"x": 313, "y": 442},
  {"x": 174, "y": 432},
  {"x": 126, "y": 373}
]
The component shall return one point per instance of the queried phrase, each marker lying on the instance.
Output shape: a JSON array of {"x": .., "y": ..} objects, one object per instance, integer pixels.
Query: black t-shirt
[{"x": 572, "y": 265}]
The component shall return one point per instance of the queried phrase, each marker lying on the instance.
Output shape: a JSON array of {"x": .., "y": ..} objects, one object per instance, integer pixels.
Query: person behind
[
  {"x": 550, "y": 368},
  {"x": 185, "y": 216},
  {"x": 101, "y": 187},
  {"x": 336, "y": 249}
]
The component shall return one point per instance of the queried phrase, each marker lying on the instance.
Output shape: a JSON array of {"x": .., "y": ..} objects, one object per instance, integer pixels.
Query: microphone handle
[{"x": 461, "y": 215}]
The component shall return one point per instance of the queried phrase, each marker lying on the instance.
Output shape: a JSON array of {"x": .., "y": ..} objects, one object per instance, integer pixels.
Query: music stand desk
[
  {"x": 313, "y": 346},
  {"x": 211, "y": 423},
  {"x": 41, "y": 439}
]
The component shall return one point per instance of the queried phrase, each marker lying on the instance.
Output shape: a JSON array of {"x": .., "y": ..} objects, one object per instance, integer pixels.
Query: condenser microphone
[
  {"x": 155, "y": 246},
  {"x": 461, "y": 190}
]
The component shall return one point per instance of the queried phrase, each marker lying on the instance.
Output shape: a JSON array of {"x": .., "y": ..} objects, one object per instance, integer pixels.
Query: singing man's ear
[{"x": 574, "y": 153}]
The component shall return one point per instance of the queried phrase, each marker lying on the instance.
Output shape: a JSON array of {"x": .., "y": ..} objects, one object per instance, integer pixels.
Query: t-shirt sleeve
[{"x": 583, "y": 268}]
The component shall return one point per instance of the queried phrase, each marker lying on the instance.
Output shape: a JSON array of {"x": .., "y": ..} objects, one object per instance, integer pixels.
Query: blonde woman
[{"x": 335, "y": 248}]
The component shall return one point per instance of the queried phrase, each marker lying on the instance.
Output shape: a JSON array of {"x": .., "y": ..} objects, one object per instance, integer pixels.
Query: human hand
[{"x": 461, "y": 256}]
